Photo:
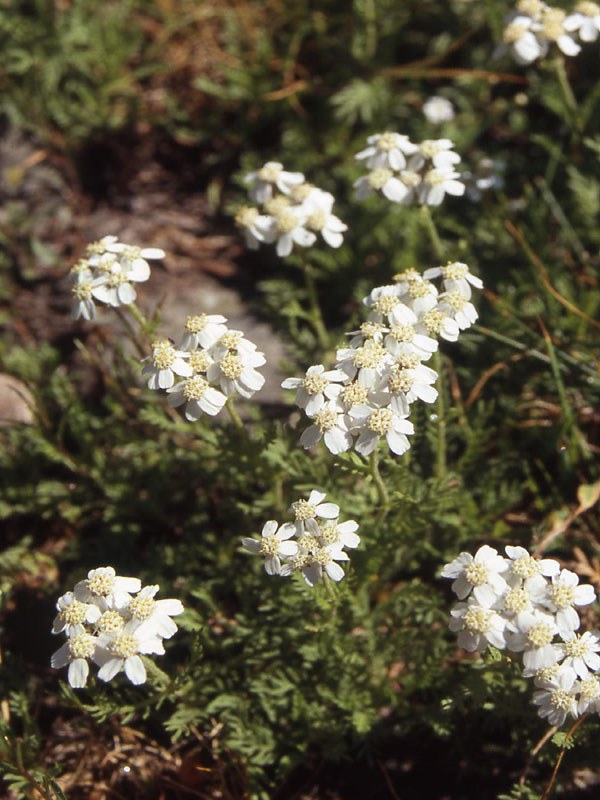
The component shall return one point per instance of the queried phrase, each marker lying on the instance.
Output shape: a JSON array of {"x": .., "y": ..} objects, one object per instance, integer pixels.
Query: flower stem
[
  {"x": 565, "y": 86},
  {"x": 315, "y": 317},
  {"x": 441, "y": 418},
  {"x": 548, "y": 789},
  {"x": 434, "y": 237},
  {"x": 235, "y": 417},
  {"x": 382, "y": 493},
  {"x": 133, "y": 334}
]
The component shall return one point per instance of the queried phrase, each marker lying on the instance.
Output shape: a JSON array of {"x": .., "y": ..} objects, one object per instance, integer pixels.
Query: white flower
[
  {"x": 588, "y": 690},
  {"x": 289, "y": 230},
  {"x": 480, "y": 573},
  {"x": 115, "y": 276},
  {"x": 456, "y": 276},
  {"x": 122, "y": 651},
  {"x": 381, "y": 180},
  {"x": 156, "y": 613},
  {"x": 439, "y": 152},
  {"x": 313, "y": 508},
  {"x": 437, "y": 323},
  {"x": 551, "y": 28},
  {"x": 457, "y": 307},
  {"x": 585, "y": 20},
  {"x": 82, "y": 292},
  {"x": 377, "y": 422},
  {"x": 520, "y": 40},
  {"x": 562, "y": 595},
  {"x": 387, "y": 150},
  {"x": 477, "y": 626},
  {"x": 199, "y": 397},
  {"x": 438, "y": 182},
  {"x": 257, "y": 227},
  {"x": 274, "y": 545},
  {"x": 580, "y": 653},
  {"x": 313, "y": 559},
  {"x": 73, "y": 614},
  {"x": 331, "y": 425},
  {"x": 533, "y": 633},
  {"x": 557, "y": 698},
  {"x": 408, "y": 381},
  {"x": 105, "y": 585},
  {"x": 315, "y": 388},
  {"x": 164, "y": 363},
  {"x": 332, "y": 532},
  {"x": 438, "y": 109},
  {"x": 75, "y": 652},
  {"x": 269, "y": 176},
  {"x": 327, "y": 224},
  {"x": 203, "y": 330},
  {"x": 234, "y": 366},
  {"x": 523, "y": 567},
  {"x": 405, "y": 339},
  {"x": 365, "y": 363}
]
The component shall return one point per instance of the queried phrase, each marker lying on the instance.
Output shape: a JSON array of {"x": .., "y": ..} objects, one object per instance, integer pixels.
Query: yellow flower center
[
  {"x": 517, "y": 600},
  {"x": 163, "y": 354},
  {"x": 74, "y": 613},
  {"x": 385, "y": 303},
  {"x": 286, "y": 221},
  {"x": 434, "y": 320},
  {"x": 246, "y": 217},
  {"x": 380, "y": 421},
  {"x": 402, "y": 332},
  {"x": 563, "y": 596},
  {"x": 455, "y": 271},
  {"x": 369, "y": 355},
  {"x": 195, "y": 387},
  {"x": 478, "y": 620},
  {"x": 515, "y": 31},
  {"x": 379, "y": 177},
  {"x": 231, "y": 365},
  {"x": 401, "y": 381},
  {"x": 587, "y": 8},
  {"x": 200, "y": 361},
  {"x": 326, "y": 419},
  {"x": 141, "y": 607},
  {"x": 387, "y": 141},
  {"x": 304, "y": 510},
  {"x": 83, "y": 290},
  {"x": 269, "y": 173},
  {"x": 101, "y": 585},
  {"x": 275, "y": 205},
  {"x": 111, "y": 622},
  {"x": 354, "y": 394},
  {"x": 410, "y": 178},
  {"x": 317, "y": 221},
  {"x": 82, "y": 646},
  {"x": 123, "y": 645},
  {"x": 315, "y": 384},
  {"x": 540, "y": 634}
]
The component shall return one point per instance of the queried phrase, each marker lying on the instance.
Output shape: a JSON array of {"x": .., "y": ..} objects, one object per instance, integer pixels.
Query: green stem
[
  {"x": 235, "y": 417},
  {"x": 316, "y": 317},
  {"x": 133, "y": 334},
  {"x": 434, "y": 237},
  {"x": 440, "y": 463},
  {"x": 565, "y": 86},
  {"x": 382, "y": 493}
]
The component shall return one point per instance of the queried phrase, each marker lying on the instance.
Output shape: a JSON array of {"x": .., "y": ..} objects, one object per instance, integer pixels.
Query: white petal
[
  {"x": 135, "y": 670},
  {"x": 78, "y": 672}
]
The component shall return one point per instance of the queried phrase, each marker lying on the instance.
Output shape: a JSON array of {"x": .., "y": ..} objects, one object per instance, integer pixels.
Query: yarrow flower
[
  {"x": 294, "y": 212},
  {"x": 522, "y": 604},
  {"x": 106, "y": 274},
  {"x": 425, "y": 177},
  {"x": 368, "y": 394},
  {"x": 111, "y": 621},
  {"x": 533, "y": 26},
  {"x": 212, "y": 363},
  {"x": 313, "y": 545},
  {"x": 438, "y": 109}
]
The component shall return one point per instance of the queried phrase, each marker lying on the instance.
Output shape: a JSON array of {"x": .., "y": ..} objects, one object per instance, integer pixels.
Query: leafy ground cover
[{"x": 140, "y": 119}]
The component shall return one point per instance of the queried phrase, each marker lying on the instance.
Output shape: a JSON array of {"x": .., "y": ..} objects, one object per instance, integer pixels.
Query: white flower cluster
[
  {"x": 111, "y": 621},
  {"x": 311, "y": 545},
  {"x": 408, "y": 173},
  {"x": 107, "y": 272},
  {"x": 293, "y": 211},
  {"x": 209, "y": 355},
  {"x": 528, "y": 606},
  {"x": 381, "y": 372},
  {"x": 533, "y": 26}
]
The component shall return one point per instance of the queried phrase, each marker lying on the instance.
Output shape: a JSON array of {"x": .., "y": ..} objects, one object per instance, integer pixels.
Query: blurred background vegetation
[{"x": 141, "y": 117}]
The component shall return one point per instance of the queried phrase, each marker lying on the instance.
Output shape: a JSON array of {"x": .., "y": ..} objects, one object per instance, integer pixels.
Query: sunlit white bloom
[
  {"x": 332, "y": 532},
  {"x": 313, "y": 509},
  {"x": 558, "y": 697},
  {"x": 269, "y": 176},
  {"x": 327, "y": 224},
  {"x": 274, "y": 545},
  {"x": 164, "y": 364},
  {"x": 365, "y": 363},
  {"x": 330, "y": 423},
  {"x": 202, "y": 330},
  {"x": 121, "y": 651},
  {"x": 562, "y": 595},
  {"x": 531, "y": 571},
  {"x": 73, "y": 614},
  {"x": 420, "y": 296},
  {"x": 438, "y": 109},
  {"x": 382, "y": 180},
  {"x": 437, "y": 182},
  {"x": 199, "y": 397},
  {"x": 234, "y": 366},
  {"x": 409, "y": 383},
  {"x": 437, "y": 323},
  {"x": 481, "y": 574},
  {"x": 387, "y": 150},
  {"x": 585, "y": 21},
  {"x": 373, "y": 423},
  {"x": 76, "y": 652},
  {"x": 580, "y": 653},
  {"x": 456, "y": 276},
  {"x": 82, "y": 293},
  {"x": 456, "y": 306},
  {"x": 155, "y": 613},
  {"x": 551, "y": 28},
  {"x": 312, "y": 560},
  {"x": 289, "y": 229},
  {"x": 105, "y": 585},
  {"x": 317, "y": 386},
  {"x": 477, "y": 626},
  {"x": 405, "y": 340},
  {"x": 520, "y": 40},
  {"x": 257, "y": 228},
  {"x": 439, "y": 152},
  {"x": 532, "y": 633},
  {"x": 588, "y": 691}
]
